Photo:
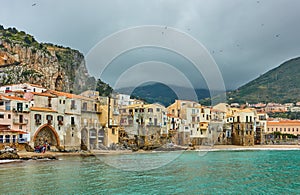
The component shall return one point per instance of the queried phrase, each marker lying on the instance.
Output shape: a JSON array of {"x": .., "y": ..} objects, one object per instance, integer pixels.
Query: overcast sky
[{"x": 246, "y": 38}]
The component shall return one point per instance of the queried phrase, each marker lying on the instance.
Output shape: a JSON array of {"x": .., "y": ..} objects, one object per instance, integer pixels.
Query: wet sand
[{"x": 49, "y": 154}]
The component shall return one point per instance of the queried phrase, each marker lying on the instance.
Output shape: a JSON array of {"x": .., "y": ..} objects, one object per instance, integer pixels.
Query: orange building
[{"x": 284, "y": 126}]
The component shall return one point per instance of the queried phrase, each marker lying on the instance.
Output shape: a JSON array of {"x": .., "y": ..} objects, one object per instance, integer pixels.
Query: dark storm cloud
[{"x": 245, "y": 37}]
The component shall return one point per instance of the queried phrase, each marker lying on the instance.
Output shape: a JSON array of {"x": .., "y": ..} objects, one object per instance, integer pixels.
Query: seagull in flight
[{"x": 33, "y": 4}]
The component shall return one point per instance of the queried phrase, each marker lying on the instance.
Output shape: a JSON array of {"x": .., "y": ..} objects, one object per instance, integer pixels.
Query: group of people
[{"x": 42, "y": 148}]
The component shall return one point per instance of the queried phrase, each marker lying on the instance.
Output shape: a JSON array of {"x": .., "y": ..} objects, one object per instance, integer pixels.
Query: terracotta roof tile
[
  {"x": 13, "y": 98},
  {"x": 43, "y": 94},
  {"x": 41, "y": 109},
  {"x": 68, "y": 95}
]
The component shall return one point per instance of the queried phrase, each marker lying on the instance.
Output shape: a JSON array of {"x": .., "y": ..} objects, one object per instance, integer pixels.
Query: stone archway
[
  {"x": 93, "y": 139},
  {"x": 101, "y": 136},
  {"x": 84, "y": 139},
  {"x": 46, "y": 133}
]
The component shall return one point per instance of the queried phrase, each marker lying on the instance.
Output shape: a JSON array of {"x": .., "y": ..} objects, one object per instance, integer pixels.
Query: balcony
[
  {"x": 116, "y": 113},
  {"x": 20, "y": 122},
  {"x": 38, "y": 122},
  {"x": 20, "y": 109},
  {"x": 73, "y": 107},
  {"x": 22, "y": 140}
]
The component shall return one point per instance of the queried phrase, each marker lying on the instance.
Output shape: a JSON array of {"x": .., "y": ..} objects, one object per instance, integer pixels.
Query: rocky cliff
[{"x": 23, "y": 59}]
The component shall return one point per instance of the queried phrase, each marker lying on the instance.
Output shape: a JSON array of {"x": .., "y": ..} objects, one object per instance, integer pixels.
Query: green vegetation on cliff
[
  {"x": 23, "y": 59},
  {"x": 280, "y": 85}
]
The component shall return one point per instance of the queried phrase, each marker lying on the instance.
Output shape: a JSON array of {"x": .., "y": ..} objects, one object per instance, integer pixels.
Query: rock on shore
[{"x": 8, "y": 154}]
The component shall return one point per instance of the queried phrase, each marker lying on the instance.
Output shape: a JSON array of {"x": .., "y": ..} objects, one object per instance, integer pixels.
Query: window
[
  {"x": 49, "y": 118},
  {"x": 38, "y": 118},
  {"x": 150, "y": 109},
  {"x": 73, "y": 106},
  {"x": 14, "y": 139},
  {"x": 1, "y": 103},
  {"x": 72, "y": 120},
  {"x": 2, "y": 116},
  {"x": 95, "y": 107},
  {"x": 7, "y": 138},
  {"x": 20, "y": 126},
  {"x": 19, "y": 107},
  {"x": 113, "y": 131},
  {"x": 157, "y": 109},
  {"x": 60, "y": 120},
  {"x": 7, "y": 105},
  {"x": 9, "y": 116},
  {"x": 1, "y": 138},
  {"x": 84, "y": 106}
]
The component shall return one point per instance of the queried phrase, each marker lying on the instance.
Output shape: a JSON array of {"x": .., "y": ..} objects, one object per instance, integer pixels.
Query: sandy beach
[{"x": 49, "y": 154}]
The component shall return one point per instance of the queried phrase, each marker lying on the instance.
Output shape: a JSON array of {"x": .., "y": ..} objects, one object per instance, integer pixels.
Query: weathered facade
[{"x": 244, "y": 127}]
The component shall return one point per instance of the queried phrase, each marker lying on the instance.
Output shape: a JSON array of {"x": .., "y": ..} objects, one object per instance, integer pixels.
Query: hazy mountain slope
[
  {"x": 163, "y": 94},
  {"x": 281, "y": 84}
]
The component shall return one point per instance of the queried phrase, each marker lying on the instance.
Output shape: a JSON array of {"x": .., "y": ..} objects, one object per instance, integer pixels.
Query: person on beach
[
  {"x": 44, "y": 148},
  {"x": 48, "y": 147}
]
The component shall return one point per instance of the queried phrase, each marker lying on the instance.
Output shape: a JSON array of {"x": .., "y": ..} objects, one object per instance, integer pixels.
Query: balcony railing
[
  {"x": 22, "y": 140},
  {"x": 20, "y": 122},
  {"x": 38, "y": 122}
]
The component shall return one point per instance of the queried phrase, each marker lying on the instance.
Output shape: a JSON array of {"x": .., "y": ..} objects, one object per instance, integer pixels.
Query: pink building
[{"x": 14, "y": 119}]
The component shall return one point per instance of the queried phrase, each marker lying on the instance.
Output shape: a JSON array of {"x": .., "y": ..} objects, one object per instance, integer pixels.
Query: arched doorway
[
  {"x": 101, "y": 134},
  {"x": 93, "y": 139},
  {"x": 46, "y": 133},
  {"x": 84, "y": 139}
]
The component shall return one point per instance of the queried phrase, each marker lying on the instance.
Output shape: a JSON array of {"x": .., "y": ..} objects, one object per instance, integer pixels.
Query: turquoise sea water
[{"x": 222, "y": 172}]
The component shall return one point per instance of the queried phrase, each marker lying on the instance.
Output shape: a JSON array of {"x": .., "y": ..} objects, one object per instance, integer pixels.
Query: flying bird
[
  {"x": 33, "y": 4},
  {"x": 277, "y": 35}
]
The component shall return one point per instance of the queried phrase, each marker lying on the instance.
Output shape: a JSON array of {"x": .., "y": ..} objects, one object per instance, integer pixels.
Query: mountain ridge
[
  {"x": 279, "y": 84},
  {"x": 23, "y": 59}
]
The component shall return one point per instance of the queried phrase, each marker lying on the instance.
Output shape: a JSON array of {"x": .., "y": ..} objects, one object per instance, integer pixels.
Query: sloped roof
[
  {"x": 12, "y": 98},
  {"x": 41, "y": 109}
]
